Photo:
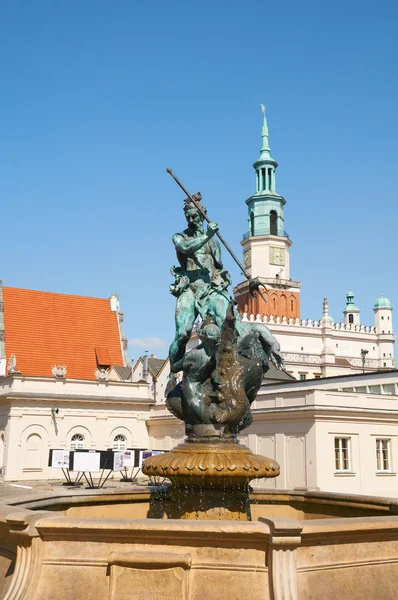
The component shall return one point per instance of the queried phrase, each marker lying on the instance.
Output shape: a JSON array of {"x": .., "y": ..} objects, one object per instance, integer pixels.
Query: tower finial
[
  {"x": 325, "y": 308},
  {"x": 265, "y": 149}
]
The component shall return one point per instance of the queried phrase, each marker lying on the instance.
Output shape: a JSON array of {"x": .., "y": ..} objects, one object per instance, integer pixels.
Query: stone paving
[{"x": 26, "y": 488}]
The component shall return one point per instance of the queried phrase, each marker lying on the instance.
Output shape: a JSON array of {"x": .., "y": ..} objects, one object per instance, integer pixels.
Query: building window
[
  {"x": 383, "y": 455},
  {"x": 317, "y": 376},
  {"x": 33, "y": 452},
  {"x": 120, "y": 442},
  {"x": 77, "y": 442},
  {"x": 303, "y": 376},
  {"x": 342, "y": 453},
  {"x": 382, "y": 318},
  {"x": 273, "y": 218},
  {"x": 291, "y": 305},
  {"x": 350, "y": 318}
]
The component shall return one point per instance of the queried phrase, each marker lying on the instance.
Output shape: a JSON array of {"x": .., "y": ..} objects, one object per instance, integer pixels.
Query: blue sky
[{"x": 98, "y": 98}]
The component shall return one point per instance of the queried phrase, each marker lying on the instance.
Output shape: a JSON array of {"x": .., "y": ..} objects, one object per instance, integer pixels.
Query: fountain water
[{"x": 98, "y": 545}]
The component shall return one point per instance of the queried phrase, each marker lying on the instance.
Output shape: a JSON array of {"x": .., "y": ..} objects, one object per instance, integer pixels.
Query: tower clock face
[
  {"x": 277, "y": 256},
  {"x": 247, "y": 258}
]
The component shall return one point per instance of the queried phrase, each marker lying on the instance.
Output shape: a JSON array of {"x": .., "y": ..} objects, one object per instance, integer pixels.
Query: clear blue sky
[{"x": 98, "y": 98}]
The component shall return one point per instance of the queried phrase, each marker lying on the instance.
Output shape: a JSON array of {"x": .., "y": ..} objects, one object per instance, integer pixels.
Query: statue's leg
[
  {"x": 185, "y": 317},
  {"x": 216, "y": 305}
]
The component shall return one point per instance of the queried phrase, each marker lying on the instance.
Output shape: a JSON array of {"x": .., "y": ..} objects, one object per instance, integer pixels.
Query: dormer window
[{"x": 102, "y": 356}]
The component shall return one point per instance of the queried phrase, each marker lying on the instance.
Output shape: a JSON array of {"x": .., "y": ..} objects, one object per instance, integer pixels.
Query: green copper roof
[
  {"x": 382, "y": 302},
  {"x": 350, "y": 306},
  {"x": 329, "y": 318}
]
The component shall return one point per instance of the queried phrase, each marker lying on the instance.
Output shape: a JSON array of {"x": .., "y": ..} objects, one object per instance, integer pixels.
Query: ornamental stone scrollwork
[
  {"x": 357, "y": 362},
  {"x": 101, "y": 374},
  {"x": 59, "y": 371},
  {"x": 301, "y": 358},
  {"x": 12, "y": 365}
]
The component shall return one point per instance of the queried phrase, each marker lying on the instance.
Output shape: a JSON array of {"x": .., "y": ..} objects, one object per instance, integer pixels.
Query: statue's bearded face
[{"x": 193, "y": 216}]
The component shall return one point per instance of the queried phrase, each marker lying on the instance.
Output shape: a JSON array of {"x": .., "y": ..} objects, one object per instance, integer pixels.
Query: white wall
[
  {"x": 296, "y": 423},
  {"x": 98, "y": 411}
]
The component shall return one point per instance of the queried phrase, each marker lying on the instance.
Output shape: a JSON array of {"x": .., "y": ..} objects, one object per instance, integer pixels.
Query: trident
[{"x": 254, "y": 282}]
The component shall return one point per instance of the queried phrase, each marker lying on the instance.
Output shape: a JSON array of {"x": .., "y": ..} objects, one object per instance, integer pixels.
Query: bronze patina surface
[{"x": 211, "y": 471}]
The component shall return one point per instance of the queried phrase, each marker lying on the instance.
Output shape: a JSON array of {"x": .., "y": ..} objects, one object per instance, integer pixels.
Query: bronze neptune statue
[{"x": 220, "y": 376}]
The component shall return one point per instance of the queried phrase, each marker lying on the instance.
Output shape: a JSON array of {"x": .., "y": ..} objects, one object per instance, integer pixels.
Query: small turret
[
  {"x": 351, "y": 312},
  {"x": 383, "y": 322}
]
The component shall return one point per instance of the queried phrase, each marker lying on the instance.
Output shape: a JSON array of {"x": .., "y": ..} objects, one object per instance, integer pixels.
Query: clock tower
[{"x": 266, "y": 246}]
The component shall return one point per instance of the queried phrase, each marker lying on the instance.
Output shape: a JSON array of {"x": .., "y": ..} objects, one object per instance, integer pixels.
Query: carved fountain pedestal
[{"x": 210, "y": 476}]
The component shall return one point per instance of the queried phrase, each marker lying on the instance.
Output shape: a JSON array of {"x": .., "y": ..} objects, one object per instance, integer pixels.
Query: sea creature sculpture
[{"x": 223, "y": 373}]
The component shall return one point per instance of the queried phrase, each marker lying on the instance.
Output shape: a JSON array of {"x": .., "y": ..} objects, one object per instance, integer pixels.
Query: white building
[
  {"x": 338, "y": 434},
  {"x": 310, "y": 347},
  {"x": 323, "y": 348},
  {"x": 154, "y": 371},
  {"x": 66, "y": 380},
  {"x": 40, "y": 413}
]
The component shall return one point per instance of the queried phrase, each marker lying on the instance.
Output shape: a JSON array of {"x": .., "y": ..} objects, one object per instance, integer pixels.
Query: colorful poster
[{"x": 129, "y": 457}]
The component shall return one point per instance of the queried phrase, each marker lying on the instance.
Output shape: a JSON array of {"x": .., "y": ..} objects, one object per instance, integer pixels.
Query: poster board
[
  {"x": 129, "y": 458},
  {"x": 118, "y": 460},
  {"x": 138, "y": 458},
  {"x": 146, "y": 454},
  {"x": 60, "y": 459},
  {"x": 86, "y": 461},
  {"x": 106, "y": 461}
]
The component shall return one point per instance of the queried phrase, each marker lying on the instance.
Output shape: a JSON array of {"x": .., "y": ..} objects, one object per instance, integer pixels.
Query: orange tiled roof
[{"x": 43, "y": 329}]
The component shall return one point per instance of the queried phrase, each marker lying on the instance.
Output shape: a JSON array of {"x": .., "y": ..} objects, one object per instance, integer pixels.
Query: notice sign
[
  {"x": 129, "y": 457},
  {"x": 118, "y": 461},
  {"x": 60, "y": 459},
  {"x": 86, "y": 461}
]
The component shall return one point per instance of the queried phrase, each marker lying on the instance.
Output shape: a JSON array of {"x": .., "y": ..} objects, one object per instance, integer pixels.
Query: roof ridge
[{"x": 9, "y": 287}]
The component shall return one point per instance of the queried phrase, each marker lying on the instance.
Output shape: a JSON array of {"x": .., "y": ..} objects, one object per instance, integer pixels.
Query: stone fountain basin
[{"x": 98, "y": 545}]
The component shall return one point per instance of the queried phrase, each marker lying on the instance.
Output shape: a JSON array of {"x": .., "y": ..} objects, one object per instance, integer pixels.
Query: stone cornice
[
  {"x": 320, "y": 412},
  {"x": 15, "y": 396}
]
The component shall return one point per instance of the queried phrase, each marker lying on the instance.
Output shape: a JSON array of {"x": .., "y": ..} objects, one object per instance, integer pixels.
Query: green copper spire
[
  {"x": 265, "y": 165},
  {"x": 265, "y": 151},
  {"x": 266, "y": 205}
]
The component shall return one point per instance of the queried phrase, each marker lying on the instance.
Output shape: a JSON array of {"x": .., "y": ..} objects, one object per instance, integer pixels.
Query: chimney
[{"x": 145, "y": 370}]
